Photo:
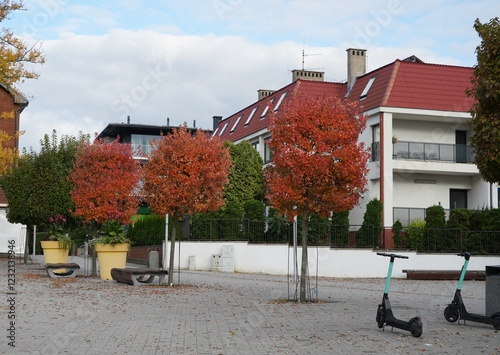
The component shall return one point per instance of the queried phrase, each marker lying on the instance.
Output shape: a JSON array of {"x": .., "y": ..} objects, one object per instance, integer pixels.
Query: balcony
[{"x": 455, "y": 153}]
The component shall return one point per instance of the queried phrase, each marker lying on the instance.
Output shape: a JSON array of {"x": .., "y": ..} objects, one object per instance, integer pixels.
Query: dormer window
[
  {"x": 215, "y": 133},
  {"x": 237, "y": 121},
  {"x": 266, "y": 109},
  {"x": 251, "y": 115},
  {"x": 367, "y": 87},
  {"x": 222, "y": 132},
  {"x": 280, "y": 101}
]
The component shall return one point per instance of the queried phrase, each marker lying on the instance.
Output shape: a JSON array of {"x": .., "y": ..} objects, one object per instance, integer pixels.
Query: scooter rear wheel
[
  {"x": 416, "y": 328},
  {"x": 451, "y": 314}
]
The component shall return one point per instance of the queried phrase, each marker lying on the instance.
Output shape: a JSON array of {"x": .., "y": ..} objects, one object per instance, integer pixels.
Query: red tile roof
[
  {"x": 399, "y": 84},
  {"x": 416, "y": 85},
  {"x": 257, "y": 123}
]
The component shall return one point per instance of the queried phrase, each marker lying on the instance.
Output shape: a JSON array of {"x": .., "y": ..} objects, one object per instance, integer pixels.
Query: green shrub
[
  {"x": 340, "y": 218},
  {"x": 339, "y": 229},
  {"x": 373, "y": 214},
  {"x": 254, "y": 210},
  {"x": 435, "y": 217},
  {"x": 459, "y": 219},
  {"x": 148, "y": 230},
  {"x": 415, "y": 234},
  {"x": 278, "y": 228},
  {"x": 369, "y": 233},
  {"x": 397, "y": 230}
]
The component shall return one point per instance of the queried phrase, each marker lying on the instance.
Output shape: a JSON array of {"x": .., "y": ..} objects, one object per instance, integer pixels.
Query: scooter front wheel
[
  {"x": 380, "y": 317},
  {"x": 451, "y": 314},
  {"x": 496, "y": 322},
  {"x": 416, "y": 328}
]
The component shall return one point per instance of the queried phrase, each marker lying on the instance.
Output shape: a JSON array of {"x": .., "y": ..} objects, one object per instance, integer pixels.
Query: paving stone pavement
[{"x": 232, "y": 313}]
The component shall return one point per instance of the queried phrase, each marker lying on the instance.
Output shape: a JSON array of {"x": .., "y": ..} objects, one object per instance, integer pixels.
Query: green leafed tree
[
  {"x": 37, "y": 187},
  {"x": 486, "y": 109},
  {"x": 246, "y": 179}
]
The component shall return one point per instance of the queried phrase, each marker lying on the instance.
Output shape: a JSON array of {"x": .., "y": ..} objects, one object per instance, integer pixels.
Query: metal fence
[
  {"x": 342, "y": 236},
  {"x": 445, "y": 240}
]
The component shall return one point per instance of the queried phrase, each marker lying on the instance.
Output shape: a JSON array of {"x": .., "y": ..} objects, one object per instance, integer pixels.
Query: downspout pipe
[{"x": 22, "y": 106}]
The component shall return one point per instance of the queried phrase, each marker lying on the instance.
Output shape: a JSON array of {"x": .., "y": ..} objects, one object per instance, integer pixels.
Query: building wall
[
  {"x": 7, "y": 106},
  {"x": 323, "y": 261}
]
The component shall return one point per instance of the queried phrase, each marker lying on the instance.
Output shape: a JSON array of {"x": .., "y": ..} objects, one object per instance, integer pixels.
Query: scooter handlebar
[
  {"x": 466, "y": 255},
  {"x": 393, "y": 255}
]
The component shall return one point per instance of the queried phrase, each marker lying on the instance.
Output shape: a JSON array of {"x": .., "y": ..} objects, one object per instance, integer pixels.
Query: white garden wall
[{"x": 326, "y": 262}]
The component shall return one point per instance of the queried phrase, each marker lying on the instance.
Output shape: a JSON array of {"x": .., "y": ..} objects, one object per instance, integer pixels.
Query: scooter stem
[
  {"x": 389, "y": 273},
  {"x": 462, "y": 274}
]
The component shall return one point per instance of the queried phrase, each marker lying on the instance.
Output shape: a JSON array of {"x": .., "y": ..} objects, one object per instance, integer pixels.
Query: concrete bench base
[
  {"x": 443, "y": 275},
  {"x": 62, "y": 270},
  {"x": 138, "y": 276}
]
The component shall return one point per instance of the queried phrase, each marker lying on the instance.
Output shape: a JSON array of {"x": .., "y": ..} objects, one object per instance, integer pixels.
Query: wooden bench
[
  {"x": 138, "y": 276},
  {"x": 62, "y": 269},
  {"x": 443, "y": 275}
]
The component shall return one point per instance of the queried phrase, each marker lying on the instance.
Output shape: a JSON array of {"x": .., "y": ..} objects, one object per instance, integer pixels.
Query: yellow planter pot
[
  {"x": 111, "y": 256},
  {"x": 54, "y": 252}
]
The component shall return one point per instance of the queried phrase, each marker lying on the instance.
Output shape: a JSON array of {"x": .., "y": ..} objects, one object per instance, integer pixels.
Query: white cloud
[{"x": 187, "y": 61}]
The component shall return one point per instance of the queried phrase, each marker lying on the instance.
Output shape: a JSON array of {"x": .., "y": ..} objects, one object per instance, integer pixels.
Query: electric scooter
[
  {"x": 384, "y": 311},
  {"x": 457, "y": 311}
]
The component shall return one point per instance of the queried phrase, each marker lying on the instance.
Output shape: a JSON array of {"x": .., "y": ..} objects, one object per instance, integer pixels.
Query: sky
[{"x": 191, "y": 60}]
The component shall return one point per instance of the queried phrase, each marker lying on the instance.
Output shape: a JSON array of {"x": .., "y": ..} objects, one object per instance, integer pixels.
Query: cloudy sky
[{"x": 193, "y": 59}]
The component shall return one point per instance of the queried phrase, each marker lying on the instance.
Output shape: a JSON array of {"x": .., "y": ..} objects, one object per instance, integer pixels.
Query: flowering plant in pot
[
  {"x": 56, "y": 245},
  {"x": 58, "y": 232}
]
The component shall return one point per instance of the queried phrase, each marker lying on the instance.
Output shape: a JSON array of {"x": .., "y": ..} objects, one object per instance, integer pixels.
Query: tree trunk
[
  {"x": 175, "y": 221},
  {"x": 304, "y": 268},
  {"x": 94, "y": 261}
]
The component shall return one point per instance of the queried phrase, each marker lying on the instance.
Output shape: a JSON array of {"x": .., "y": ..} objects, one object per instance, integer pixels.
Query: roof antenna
[{"x": 304, "y": 55}]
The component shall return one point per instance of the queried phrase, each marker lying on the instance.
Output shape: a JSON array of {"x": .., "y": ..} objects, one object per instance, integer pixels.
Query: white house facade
[{"x": 417, "y": 129}]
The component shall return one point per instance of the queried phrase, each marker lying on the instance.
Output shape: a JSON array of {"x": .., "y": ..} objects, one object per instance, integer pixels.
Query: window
[
  {"x": 367, "y": 88},
  {"x": 237, "y": 121},
  {"x": 265, "y": 109},
  {"x": 256, "y": 146},
  {"x": 142, "y": 141},
  {"x": 223, "y": 129},
  {"x": 268, "y": 153},
  {"x": 280, "y": 101},
  {"x": 215, "y": 133},
  {"x": 375, "y": 143},
  {"x": 251, "y": 115}
]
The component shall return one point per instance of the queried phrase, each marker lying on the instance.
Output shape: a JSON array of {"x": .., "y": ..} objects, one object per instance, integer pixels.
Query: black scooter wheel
[
  {"x": 496, "y": 322},
  {"x": 380, "y": 317},
  {"x": 416, "y": 328},
  {"x": 451, "y": 314}
]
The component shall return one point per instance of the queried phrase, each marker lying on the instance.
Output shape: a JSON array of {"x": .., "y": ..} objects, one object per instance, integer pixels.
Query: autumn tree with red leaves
[
  {"x": 105, "y": 177},
  {"x": 185, "y": 174},
  {"x": 318, "y": 164}
]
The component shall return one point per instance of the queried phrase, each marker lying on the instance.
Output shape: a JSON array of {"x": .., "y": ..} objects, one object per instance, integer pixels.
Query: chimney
[
  {"x": 265, "y": 93},
  {"x": 128, "y": 119},
  {"x": 356, "y": 64},
  {"x": 217, "y": 120},
  {"x": 194, "y": 123},
  {"x": 308, "y": 75}
]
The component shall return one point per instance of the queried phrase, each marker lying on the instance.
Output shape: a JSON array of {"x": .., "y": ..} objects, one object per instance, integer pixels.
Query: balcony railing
[{"x": 457, "y": 153}]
